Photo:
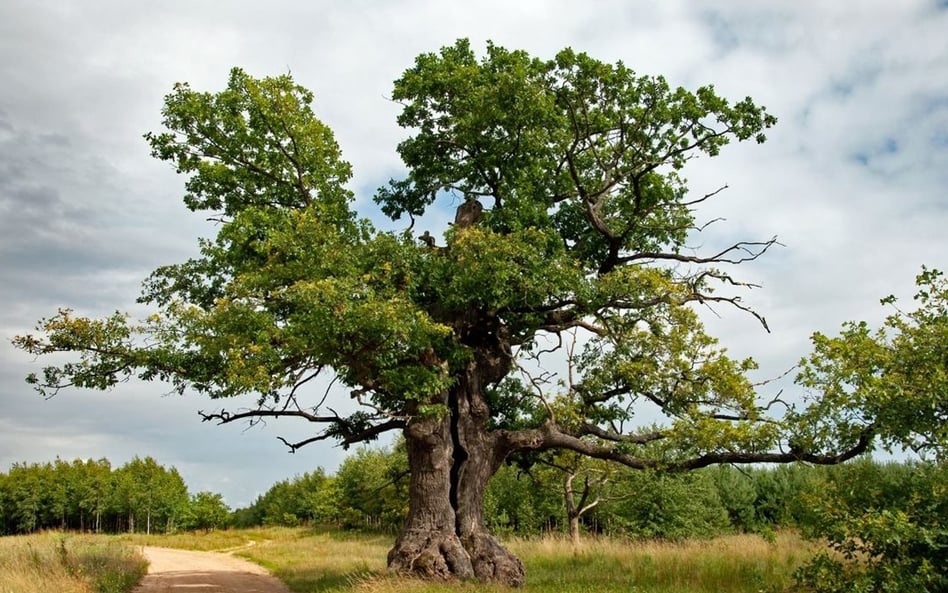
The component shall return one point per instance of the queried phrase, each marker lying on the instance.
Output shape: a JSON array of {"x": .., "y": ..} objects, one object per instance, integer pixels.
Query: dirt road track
[{"x": 180, "y": 570}]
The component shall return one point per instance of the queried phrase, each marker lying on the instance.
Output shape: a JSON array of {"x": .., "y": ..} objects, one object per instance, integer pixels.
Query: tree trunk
[
  {"x": 451, "y": 460},
  {"x": 428, "y": 545},
  {"x": 477, "y": 459},
  {"x": 572, "y": 512}
]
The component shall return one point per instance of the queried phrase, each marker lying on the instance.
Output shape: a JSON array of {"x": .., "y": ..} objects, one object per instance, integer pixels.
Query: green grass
[
  {"x": 68, "y": 564},
  {"x": 309, "y": 561},
  {"x": 213, "y": 541},
  {"x": 733, "y": 564}
]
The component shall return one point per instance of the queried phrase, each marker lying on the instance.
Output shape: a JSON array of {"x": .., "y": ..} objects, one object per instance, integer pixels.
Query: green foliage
[
  {"x": 501, "y": 127},
  {"x": 519, "y": 503},
  {"x": 247, "y": 125},
  {"x": 368, "y": 491},
  {"x": 372, "y": 486},
  {"x": 149, "y": 495},
  {"x": 142, "y": 495},
  {"x": 310, "y": 499},
  {"x": 205, "y": 511},
  {"x": 888, "y": 527},
  {"x": 892, "y": 381},
  {"x": 761, "y": 500},
  {"x": 667, "y": 506},
  {"x": 738, "y": 493}
]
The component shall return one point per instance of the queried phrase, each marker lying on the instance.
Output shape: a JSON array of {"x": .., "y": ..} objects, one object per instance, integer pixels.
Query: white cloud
[{"x": 852, "y": 179}]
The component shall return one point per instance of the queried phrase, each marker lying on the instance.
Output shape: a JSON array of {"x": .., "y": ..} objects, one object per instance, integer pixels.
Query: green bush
[
  {"x": 518, "y": 503},
  {"x": 887, "y": 526},
  {"x": 669, "y": 506}
]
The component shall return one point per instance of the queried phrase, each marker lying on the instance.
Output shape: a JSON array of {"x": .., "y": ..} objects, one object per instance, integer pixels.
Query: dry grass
[
  {"x": 737, "y": 563},
  {"x": 213, "y": 541},
  {"x": 310, "y": 562},
  {"x": 67, "y": 564}
]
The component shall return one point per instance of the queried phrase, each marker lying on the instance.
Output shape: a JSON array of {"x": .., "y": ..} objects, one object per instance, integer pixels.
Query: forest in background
[
  {"x": 883, "y": 522},
  {"x": 369, "y": 492},
  {"x": 92, "y": 496}
]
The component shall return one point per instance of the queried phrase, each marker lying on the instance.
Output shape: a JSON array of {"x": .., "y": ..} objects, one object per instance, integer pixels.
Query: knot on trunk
[
  {"x": 430, "y": 555},
  {"x": 492, "y": 562}
]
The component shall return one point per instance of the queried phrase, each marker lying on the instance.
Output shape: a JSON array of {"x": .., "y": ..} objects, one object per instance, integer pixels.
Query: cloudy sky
[{"x": 852, "y": 181}]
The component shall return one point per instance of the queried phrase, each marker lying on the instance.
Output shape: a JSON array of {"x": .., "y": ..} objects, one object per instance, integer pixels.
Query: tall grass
[
  {"x": 68, "y": 564},
  {"x": 310, "y": 562},
  {"x": 731, "y": 564}
]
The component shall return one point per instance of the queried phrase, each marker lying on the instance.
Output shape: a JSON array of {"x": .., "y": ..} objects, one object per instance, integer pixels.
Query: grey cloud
[{"x": 85, "y": 214}]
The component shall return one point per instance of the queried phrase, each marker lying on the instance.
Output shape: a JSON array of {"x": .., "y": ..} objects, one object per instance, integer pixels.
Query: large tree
[{"x": 572, "y": 219}]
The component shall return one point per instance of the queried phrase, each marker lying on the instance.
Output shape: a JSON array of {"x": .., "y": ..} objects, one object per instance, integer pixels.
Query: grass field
[
  {"x": 311, "y": 561},
  {"x": 64, "y": 563}
]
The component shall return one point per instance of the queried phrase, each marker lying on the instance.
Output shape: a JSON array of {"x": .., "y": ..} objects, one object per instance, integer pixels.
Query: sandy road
[{"x": 181, "y": 570}]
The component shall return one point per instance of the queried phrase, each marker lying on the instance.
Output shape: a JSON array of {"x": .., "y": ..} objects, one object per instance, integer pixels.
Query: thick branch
[
  {"x": 550, "y": 436},
  {"x": 636, "y": 439},
  {"x": 343, "y": 429}
]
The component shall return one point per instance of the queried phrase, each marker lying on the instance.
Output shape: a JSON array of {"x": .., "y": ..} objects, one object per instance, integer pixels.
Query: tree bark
[
  {"x": 478, "y": 459},
  {"x": 428, "y": 545},
  {"x": 451, "y": 460}
]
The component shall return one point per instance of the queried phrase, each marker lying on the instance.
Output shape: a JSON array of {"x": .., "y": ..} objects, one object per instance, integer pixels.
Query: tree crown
[{"x": 573, "y": 221}]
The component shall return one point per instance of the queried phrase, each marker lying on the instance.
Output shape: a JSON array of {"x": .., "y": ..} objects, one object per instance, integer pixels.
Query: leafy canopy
[
  {"x": 581, "y": 228},
  {"x": 891, "y": 381}
]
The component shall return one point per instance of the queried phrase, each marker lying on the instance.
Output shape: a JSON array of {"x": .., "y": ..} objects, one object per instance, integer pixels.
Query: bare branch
[
  {"x": 342, "y": 429},
  {"x": 746, "y": 250},
  {"x": 225, "y": 417},
  {"x": 706, "y": 196}
]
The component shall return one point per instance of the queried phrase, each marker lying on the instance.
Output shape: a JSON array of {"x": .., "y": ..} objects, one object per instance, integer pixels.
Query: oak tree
[{"x": 573, "y": 218}]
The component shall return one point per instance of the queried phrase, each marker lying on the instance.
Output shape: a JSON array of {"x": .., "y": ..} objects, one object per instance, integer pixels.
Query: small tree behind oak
[
  {"x": 572, "y": 216},
  {"x": 894, "y": 380}
]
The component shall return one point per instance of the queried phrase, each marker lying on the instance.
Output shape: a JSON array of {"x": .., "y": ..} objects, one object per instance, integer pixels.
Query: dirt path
[{"x": 180, "y": 570}]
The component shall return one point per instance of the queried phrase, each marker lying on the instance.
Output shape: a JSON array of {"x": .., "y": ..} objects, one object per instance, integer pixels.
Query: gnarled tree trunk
[
  {"x": 478, "y": 455},
  {"x": 451, "y": 460},
  {"x": 429, "y": 545}
]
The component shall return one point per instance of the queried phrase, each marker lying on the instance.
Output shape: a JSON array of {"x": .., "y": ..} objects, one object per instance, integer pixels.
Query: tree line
[
  {"x": 885, "y": 523},
  {"x": 892, "y": 517},
  {"x": 369, "y": 491},
  {"x": 90, "y": 495}
]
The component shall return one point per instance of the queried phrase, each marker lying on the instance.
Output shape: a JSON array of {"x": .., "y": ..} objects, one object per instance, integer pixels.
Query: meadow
[
  {"x": 310, "y": 561},
  {"x": 68, "y": 563}
]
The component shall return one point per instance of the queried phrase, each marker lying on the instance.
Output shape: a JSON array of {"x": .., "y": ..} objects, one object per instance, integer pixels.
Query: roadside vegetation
[
  {"x": 736, "y": 563},
  {"x": 819, "y": 529},
  {"x": 66, "y": 563}
]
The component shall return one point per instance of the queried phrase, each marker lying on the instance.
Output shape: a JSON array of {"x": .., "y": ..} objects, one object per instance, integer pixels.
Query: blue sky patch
[
  {"x": 887, "y": 147},
  {"x": 722, "y": 32}
]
